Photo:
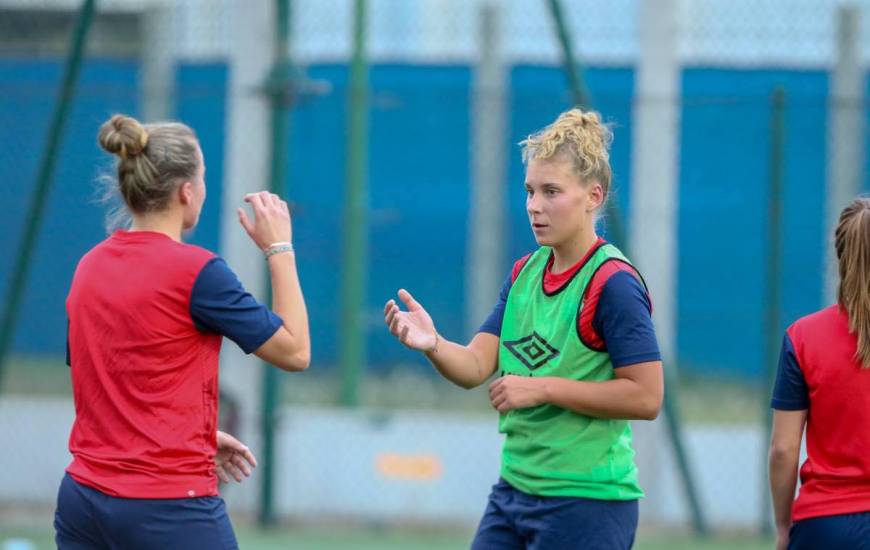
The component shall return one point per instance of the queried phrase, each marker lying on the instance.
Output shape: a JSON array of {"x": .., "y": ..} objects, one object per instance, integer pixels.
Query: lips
[{"x": 539, "y": 226}]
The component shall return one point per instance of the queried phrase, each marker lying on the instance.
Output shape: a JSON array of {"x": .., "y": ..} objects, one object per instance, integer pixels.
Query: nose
[{"x": 533, "y": 204}]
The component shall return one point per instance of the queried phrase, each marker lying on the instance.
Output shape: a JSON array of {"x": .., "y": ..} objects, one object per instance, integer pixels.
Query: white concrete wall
[{"x": 427, "y": 466}]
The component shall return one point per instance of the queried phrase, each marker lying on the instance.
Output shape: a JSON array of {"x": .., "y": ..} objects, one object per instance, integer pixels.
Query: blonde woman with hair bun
[
  {"x": 572, "y": 348},
  {"x": 823, "y": 389},
  {"x": 147, "y": 315}
]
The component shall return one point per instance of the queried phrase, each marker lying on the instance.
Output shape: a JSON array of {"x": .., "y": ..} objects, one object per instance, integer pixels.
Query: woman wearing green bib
[{"x": 573, "y": 344}]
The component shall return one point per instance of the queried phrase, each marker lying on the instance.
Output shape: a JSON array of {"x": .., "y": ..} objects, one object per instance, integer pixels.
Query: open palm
[{"x": 414, "y": 327}]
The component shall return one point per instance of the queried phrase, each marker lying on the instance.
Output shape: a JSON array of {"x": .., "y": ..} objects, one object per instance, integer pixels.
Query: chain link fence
[{"x": 440, "y": 80}]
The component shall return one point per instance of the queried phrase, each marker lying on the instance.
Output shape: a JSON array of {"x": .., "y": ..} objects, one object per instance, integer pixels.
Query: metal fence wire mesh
[{"x": 453, "y": 87}]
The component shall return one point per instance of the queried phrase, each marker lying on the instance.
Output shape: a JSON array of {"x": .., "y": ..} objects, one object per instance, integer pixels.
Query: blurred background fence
[{"x": 421, "y": 188}]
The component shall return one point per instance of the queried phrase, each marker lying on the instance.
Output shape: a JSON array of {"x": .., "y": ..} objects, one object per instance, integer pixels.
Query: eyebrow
[{"x": 545, "y": 184}]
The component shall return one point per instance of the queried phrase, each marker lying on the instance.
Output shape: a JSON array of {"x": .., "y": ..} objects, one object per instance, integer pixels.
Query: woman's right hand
[
  {"x": 414, "y": 327},
  {"x": 271, "y": 219}
]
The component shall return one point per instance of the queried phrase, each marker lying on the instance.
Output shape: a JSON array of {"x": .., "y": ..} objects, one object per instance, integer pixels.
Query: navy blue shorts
[
  {"x": 516, "y": 520},
  {"x": 88, "y": 519},
  {"x": 841, "y": 532}
]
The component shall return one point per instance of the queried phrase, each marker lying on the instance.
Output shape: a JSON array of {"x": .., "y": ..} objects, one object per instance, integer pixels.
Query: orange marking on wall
[{"x": 421, "y": 467}]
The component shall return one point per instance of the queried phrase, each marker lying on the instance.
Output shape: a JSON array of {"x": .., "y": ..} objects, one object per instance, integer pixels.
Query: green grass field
[{"x": 375, "y": 539}]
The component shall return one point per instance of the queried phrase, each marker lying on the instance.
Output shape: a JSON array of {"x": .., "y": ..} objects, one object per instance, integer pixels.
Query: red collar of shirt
[{"x": 552, "y": 281}]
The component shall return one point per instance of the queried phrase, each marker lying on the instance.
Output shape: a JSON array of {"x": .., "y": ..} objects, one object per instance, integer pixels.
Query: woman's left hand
[
  {"x": 516, "y": 392},
  {"x": 233, "y": 458}
]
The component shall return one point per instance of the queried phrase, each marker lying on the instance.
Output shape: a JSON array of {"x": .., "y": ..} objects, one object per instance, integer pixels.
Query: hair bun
[{"x": 123, "y": 136}]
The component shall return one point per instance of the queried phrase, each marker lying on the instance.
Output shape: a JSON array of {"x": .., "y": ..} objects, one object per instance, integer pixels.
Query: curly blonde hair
[{"x": 580, "y": 137}]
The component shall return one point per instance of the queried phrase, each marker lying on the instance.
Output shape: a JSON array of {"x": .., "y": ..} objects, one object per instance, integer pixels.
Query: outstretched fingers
[
  {"x": 391, "y": 314},
  {"x": 395, "y": 325},
  {"x": 409, "y": 300}
]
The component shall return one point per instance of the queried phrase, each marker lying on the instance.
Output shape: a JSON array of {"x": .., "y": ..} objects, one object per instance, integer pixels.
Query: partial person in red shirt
[
  {"x": 823, "y": 385},
  {"x": 147, "y": 315}
]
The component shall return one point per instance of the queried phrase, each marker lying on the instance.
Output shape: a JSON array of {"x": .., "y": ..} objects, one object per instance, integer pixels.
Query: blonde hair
[
  {"x": 852, "y": 241},
  {"x": 580, "y": 137},
  {"x": 153, "y": 159}
]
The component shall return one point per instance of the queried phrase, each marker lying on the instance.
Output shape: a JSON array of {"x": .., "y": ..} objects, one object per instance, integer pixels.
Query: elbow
[
  {"x": 468, "y": 384},
  {"x": 782, "y": 454},
  {"x": 650, "y": 408},
  {"x": 652, "y": 414},
  {"x": 649, "y": 413},
  {"x": 296, "y": 362},
  {"x": 302, "y": 360}
]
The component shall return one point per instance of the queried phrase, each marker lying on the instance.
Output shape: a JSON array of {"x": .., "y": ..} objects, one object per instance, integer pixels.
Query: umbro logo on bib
[{"x": 533, "y": 350}]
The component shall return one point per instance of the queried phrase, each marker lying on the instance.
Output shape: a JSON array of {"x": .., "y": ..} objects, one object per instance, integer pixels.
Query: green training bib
[{"x": 548, "y": 450}]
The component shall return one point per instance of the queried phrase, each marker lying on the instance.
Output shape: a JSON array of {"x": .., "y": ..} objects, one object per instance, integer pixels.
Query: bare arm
[
  {"x": 466, "y": 366},
  {"x": 290, "y": 347},
  {"x": 635, "y": 394},
  {"x": 785, "y": 448}
]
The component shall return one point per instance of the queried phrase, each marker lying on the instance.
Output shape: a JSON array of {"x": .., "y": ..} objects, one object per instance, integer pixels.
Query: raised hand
[
  {"x": 233, "y": 458},
  {"x": 271, "y": 219},
  {"x": 414, "y": 327}
]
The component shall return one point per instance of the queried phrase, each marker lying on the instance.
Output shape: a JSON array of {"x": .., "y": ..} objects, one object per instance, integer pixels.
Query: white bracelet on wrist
[
  {"x": 277, "y": 248},
  {"x": 434, "y": 348}
]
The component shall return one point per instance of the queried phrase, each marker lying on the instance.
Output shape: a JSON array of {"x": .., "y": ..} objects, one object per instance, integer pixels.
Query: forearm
[
  {"x": 783, "y": 481},
  {"x": 458, "y": 363},
  {"x": 616, "y": 399},
  {"x": 287, "y": 300}
]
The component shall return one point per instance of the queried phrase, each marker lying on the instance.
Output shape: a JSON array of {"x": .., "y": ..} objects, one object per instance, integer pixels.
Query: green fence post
[
  {"x": 581, "y": 97},
  {"x": 279, "y": 90},
  {"x": 353, "y": 282},
  {"x": 33, "y": 219},
  {"x": 772, "y": 318}
]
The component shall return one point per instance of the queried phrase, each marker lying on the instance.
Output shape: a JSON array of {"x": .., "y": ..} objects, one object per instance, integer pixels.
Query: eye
[{"x": 551, "y": 192}]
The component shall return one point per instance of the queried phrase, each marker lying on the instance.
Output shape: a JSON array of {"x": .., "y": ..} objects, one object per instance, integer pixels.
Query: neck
[
  {"x": 569, "y": 253},
  {"x": 166, "y": 222}
]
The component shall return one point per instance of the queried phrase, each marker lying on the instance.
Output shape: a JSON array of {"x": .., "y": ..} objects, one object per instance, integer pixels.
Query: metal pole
[
  {"x": 279, "y": 98},
  {"x": 655, "y": 156},
  {"x": 579, "y": 91},
  {"x": 33, "y": 219},
  {"x": 354, "y": 284},
  {"x": 675, "y": 432},
  {"x": 247, "y": 163},
  {"x": 846, "y": 136},
  {"x": 158, "y": 61},
  {"x": 485, "y": 265},
  {"x": 772, "y": 318}
]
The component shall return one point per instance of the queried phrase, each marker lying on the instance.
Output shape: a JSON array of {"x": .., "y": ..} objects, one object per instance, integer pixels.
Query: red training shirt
[{"x": 145, "y": 380}]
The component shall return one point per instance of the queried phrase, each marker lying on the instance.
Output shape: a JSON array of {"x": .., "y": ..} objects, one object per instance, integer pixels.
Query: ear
[
  {"x": 185, "y": 193},
  {"x": 595, "y": 197}
]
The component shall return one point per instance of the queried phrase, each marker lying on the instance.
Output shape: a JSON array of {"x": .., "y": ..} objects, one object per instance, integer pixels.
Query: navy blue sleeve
[
  {"x": 790, "y": 391},
  {"x": 220, "y": 304},
  {"x": 492, "y": 325},
  {"x": 623, "y": 321}
]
